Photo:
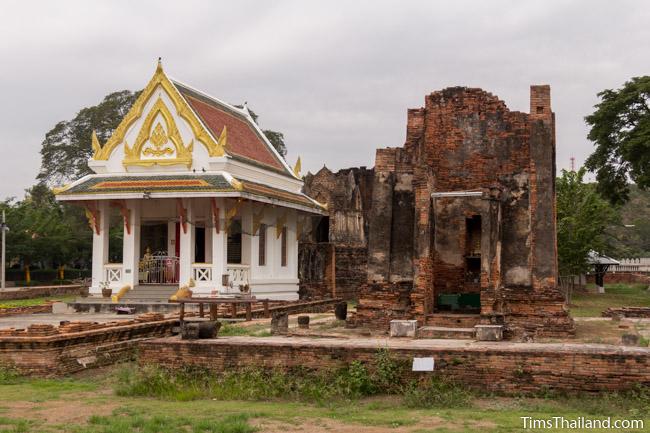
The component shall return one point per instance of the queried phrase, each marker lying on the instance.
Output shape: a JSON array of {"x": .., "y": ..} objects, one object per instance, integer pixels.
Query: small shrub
[
  {"x": 434, "y": 392},
  {"x": 389, "y": 372},
  {"x": 9, "y": 375}
]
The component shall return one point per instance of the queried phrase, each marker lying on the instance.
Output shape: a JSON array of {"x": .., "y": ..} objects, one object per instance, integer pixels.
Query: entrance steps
[
  {"x": 150, "y": 292},
  {"x": 143, "y": 299},
  {"x": 446, "y": 332},
  {"x": 452, "y": 320}
]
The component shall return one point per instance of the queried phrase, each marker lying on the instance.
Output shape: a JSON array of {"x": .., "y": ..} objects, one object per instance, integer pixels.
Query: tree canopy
[
  {"x": 43, "y": 230},
  {"x": 583, "y": 221},
  {"x": 67, "y": 146},
  {"x": 620, "y": 129}
]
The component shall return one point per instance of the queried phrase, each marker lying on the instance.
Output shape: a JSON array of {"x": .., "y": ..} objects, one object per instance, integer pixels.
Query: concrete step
[
  {"x": 445, "y": 332},
  {"x": 452, "y": 320},
  {"x": 138, "y": 306},
  {"x": 151, "y": 292}
]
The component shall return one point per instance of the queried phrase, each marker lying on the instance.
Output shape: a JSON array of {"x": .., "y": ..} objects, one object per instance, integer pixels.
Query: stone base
[
  {"x": 403, "y": 328},
  {"x": 489, "y": 332}
]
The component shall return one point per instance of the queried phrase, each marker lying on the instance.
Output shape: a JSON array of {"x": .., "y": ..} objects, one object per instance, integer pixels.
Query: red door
[{"x": 177, "y": 241}]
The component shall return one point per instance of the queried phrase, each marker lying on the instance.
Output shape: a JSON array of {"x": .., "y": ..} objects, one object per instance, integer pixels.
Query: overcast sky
[{"x": 336, "y": 77}]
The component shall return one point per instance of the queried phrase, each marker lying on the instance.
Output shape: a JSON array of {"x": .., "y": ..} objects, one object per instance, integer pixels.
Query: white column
[
  {"x": 208, "y": 242},
  {"x": 246, "y": 239},
  {"x": 292, "y": 243},
  {"x": 218, "y": 248},
  {"x": 186, "y": 245},
  {"x": 100, "y": 248},
  {"x": 171, "y": 238},
  {"x": 131, "y": 245}
]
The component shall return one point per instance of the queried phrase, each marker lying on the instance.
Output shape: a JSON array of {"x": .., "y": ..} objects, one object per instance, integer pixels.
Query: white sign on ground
[{"x": 423, "y": 364}]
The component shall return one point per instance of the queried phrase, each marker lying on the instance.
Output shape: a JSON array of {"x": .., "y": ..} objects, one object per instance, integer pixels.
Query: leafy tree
[
  {"x": 67, "y": 147},
  {"x": 276, "y": 138},
  {"x": 583, "y": 217},
  {"x": 620, "y": 129},
  {"x": 45, "y": 231}
]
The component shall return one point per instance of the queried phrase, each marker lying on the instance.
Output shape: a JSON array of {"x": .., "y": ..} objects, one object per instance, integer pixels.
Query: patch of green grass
[
  {"x": 240, "y": 403},
  {"x": 127, "y": 420},
  {"x": 36, "y": 390},
  {"x": 616, "y": 295},
  {"x": 11, "y": 425},
  {"x": 384, "y": 375},
  {"x": 15, "y": 303},
  {"x": 231, "y": 330}
]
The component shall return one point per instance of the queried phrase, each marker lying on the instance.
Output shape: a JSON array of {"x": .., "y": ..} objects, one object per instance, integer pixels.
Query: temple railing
[
  {"x": 202, "y": 273},
  {"x": 158, "y": 269},
  {"x": 113, "y": 273}
]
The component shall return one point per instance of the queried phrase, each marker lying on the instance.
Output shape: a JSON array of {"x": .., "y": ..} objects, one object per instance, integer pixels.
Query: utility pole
[{"x": 4, "y": 248}]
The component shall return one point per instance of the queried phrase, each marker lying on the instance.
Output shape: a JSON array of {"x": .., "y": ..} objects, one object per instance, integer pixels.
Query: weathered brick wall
[
  {"x": 494, "y": 367},
  {"x": 348, "y": 195},
  {"x": 316, "y": 270},
  {"x": 379, "y": 303},
  {"x": 42, "y": 350},
  {"x": 351, "y": 269}
]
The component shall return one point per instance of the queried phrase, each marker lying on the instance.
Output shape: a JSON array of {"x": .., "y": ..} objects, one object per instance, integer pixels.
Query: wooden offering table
[{"x": 213, "y": 305}]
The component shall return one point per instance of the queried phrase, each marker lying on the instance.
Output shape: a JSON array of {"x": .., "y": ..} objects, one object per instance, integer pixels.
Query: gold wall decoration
[
  {"x": 158, "y": 139},
  {"x": 215, "y": 148},
  {"x": 93, "y": 215},
  {"x": 215, "y": 214},
  {"x": 257, "y": 219},
  {"x": 155, "y": 141},
  {"x": 231, "y": 214},
  {"x": 237, "y": 184},
  {"x": 280, "y": 222}
]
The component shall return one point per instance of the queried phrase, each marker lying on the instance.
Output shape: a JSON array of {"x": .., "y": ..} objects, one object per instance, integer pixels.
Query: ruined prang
[{"x": 462, "y": 217}]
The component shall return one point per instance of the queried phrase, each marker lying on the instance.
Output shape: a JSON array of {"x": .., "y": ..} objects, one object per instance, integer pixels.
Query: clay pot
[{"x": 106, "y": 293}]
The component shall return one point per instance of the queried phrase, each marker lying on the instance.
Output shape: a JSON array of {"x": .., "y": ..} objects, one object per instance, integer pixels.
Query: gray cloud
[{"x": 336, "y": 77}]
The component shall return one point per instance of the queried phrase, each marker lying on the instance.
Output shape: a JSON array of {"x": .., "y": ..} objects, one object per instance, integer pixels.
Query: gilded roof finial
[
  {"x": 297, "y": 168},
  {"x": 96, "y": 147},
  {"x": 159, "y": 67}
]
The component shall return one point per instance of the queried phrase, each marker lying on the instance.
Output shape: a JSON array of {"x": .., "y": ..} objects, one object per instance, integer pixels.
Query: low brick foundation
[
  {"x": 42, "y": 292},
  {"x": 622, "y": 278},
  {"x": 45, "y": 350},
  {"x": 509, "y": 368},
  {"x": 634, "y": 312},
  {"x": 34, "y": 309}
]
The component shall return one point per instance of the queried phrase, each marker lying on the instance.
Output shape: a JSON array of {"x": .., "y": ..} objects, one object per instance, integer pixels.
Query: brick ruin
[
  {"x": 333, "y": 260},
  {"x": 465, "y": 210}
]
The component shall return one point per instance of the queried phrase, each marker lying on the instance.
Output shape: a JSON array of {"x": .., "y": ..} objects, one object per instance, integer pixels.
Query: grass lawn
[
  {"x": 34, "y": 301},
  {"x": 616, "y": 295},
  {"x": 89, "y": 405}
]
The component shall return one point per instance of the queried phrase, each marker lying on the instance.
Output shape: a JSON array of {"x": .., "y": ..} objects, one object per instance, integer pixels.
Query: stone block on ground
[
  {"x": 489, "y": 332},
  {"x": 630, "y": 339},
  {"x": 403, "y": 328},
  {"x": 341, "y": 310},
  {"x": 303, "y": 322},
  {"x": 280, "y": 324}
]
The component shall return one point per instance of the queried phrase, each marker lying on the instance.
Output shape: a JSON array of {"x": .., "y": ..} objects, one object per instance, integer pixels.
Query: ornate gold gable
[
  {"x": 158, "y": 144},
  {"x": 215, "y": 147}
]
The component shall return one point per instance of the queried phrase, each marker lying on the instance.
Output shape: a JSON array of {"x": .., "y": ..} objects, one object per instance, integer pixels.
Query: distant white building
[{"x": 201, "y": 193}]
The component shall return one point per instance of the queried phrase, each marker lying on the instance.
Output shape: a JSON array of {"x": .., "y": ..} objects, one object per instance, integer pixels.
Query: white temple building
[{"x": 200, "y": 192}]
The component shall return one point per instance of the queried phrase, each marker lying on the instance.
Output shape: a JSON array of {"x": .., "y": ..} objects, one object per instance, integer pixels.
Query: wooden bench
[{"x": 213, "y": 305}]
